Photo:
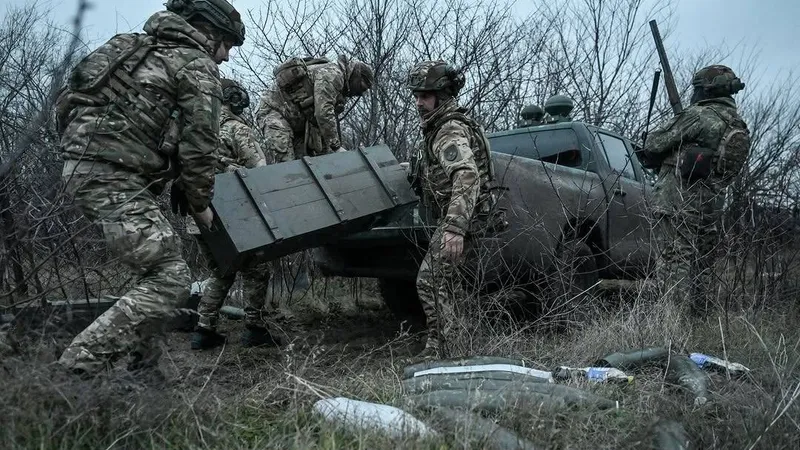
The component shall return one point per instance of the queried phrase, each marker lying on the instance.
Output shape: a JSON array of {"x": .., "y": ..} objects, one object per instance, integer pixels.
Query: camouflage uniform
[
  {"x": 115, "y": 167},
  {"x": 238, "y": 149},
  {"x": 686, "y": 211},
  {"x": 455, "y": 174},
  {"x": 302, "y": 119}
]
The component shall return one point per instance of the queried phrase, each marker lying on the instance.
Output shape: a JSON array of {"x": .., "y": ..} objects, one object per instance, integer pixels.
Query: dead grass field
[{"x": 235, "y": 398}]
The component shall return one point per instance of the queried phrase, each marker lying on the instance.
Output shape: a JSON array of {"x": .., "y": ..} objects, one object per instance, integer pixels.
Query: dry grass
[{"x": 243, "y": 398}]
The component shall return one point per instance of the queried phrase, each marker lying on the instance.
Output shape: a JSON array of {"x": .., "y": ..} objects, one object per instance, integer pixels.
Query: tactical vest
[
  {"x": 104, "y": 77},
  {"x": 439, "y": 184},
  {"x": 293, "y": 80}
]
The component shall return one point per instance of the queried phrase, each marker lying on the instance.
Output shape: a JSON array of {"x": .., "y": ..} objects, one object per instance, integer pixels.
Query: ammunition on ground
[
  {"x": 634, "y": 359},
  {"x": 718, "y": 365},
  {"x": 596, "y": 374}
]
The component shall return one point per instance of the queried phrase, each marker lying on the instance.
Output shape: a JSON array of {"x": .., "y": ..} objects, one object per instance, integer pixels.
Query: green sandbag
[
  {"x": 669, "y": 435},
  {"x": 497, "y": 401},
  {"x": 409, "y": 371},
  {"x": 684, "y": 372},
  {"x": 487, "y": 381},
  {"x": 493, "y": 436},
  {"x": 634, "y": 359}
]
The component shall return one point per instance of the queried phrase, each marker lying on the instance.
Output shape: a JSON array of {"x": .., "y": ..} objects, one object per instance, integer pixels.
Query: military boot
[
  {"x": 434, "y": 348},
  {"x": 256, "y": 336},
  {"x": 204, "y": 339}
]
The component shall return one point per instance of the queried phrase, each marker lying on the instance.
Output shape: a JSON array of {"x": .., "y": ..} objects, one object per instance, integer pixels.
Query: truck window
[
  {"x": 553, "y": 146},
  {"x": 617, "y": 155}
]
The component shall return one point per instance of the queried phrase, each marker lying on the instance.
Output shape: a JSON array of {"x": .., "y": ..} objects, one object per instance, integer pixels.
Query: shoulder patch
[{"x": 450, "y": 153}]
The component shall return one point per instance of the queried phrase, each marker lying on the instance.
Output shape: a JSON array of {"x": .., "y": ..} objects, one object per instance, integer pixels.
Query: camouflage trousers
[
  {"x": 440, "y": 287},
  {"x": 139, "y": 236},
  {"x": 687, "y": 236},
  {"x": 255, "y": 286},
  {"x": 289, "y": 140}
]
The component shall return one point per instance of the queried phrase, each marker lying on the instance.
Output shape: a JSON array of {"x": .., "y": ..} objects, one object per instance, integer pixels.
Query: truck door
[{"x": 628, "y": 224}]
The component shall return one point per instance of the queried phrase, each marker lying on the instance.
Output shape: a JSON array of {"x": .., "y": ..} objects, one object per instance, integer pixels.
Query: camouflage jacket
[
  {"x": 181, "y": 70},
  {"x": 321, "y": 106},
  {"x": 703, "y": 123},
  {"x": 456, "y": 168},
  {"x": 238, "y": 146}
]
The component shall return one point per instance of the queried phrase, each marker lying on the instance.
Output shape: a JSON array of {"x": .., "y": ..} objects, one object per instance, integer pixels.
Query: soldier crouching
[{"x": 299, "y": 113}]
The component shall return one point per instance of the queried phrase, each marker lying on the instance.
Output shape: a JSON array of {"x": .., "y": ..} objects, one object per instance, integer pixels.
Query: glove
[
  {"x": 341, "y": 149},
  {"x": 178, "y": 200}
]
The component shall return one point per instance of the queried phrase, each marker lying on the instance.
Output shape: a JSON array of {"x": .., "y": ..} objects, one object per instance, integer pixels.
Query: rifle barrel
[
  {"x": 653, "y": 91},
  {"x": 669, "y": 81}
]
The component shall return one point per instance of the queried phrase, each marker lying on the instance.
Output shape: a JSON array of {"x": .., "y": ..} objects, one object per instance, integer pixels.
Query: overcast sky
[{"x": 765, "y": 28}]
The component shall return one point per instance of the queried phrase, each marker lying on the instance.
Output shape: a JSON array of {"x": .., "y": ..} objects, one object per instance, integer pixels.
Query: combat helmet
[
  {"x": 717, "y": 81},
  {"x": 235, "y": 95},
  {"x": 435, "y": 76},
  {"x": 219, "y": 13}
]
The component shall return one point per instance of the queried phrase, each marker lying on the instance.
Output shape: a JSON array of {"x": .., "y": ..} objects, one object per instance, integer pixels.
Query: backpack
[
  {"x": 292, "y": 74},
  {"x": 734, "y": 149}
]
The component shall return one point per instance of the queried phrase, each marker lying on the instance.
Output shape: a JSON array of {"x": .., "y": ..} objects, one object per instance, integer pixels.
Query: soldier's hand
[
  {"x": 341, "y": 149},
  {"x": 453, "y": 246},
  {"x": 205, "y": 217}
]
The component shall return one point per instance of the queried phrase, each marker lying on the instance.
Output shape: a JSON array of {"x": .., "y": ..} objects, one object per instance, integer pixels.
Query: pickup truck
[{"x": 573, "y": 193}]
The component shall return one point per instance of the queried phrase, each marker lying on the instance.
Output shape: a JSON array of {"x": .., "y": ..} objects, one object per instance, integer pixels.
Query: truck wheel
[
  {"x": 573, "y": 285},
  {"x": 400, "y": 296}
]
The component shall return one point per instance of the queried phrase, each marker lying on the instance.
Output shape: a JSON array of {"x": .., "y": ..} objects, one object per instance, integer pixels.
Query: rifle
[
  {"x": 647, "y": 160},
  {"x": 653, "y": 91},
  {"x": 669, "y": 81}
]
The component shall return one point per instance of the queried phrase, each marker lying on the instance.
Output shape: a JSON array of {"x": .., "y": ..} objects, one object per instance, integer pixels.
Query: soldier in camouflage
[
  {"x": 700, "y": 151},
  {"x": 298, "y": 115},
  {"x": 238, "y": 149},
  {"x": 455, "y": 172},
  {"x": 139, "y": 111}
]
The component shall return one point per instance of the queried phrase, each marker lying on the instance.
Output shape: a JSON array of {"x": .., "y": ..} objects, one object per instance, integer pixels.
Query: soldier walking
[
  {"x": 455, "y": 174},
  {"x": 702, "y": 150},
  {"x": 139, "y": 111}
]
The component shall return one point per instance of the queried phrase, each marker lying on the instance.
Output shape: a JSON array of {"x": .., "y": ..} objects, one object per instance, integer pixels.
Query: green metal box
[{"x": 276, "y": 210}]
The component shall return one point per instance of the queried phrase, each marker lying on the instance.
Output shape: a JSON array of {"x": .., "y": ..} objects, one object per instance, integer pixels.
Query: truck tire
[
  {"x": 573, "y": 285},
  {"x": 586, "y": 273},
  {"x": 400, "y": 296}
]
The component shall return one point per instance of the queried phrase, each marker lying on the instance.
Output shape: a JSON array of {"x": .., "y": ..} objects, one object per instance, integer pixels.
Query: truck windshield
[{"x": 558, "y": 146}]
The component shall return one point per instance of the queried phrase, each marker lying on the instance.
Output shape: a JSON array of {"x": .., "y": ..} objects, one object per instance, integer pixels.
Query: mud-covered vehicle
[{"x": 575, "y": 198}]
